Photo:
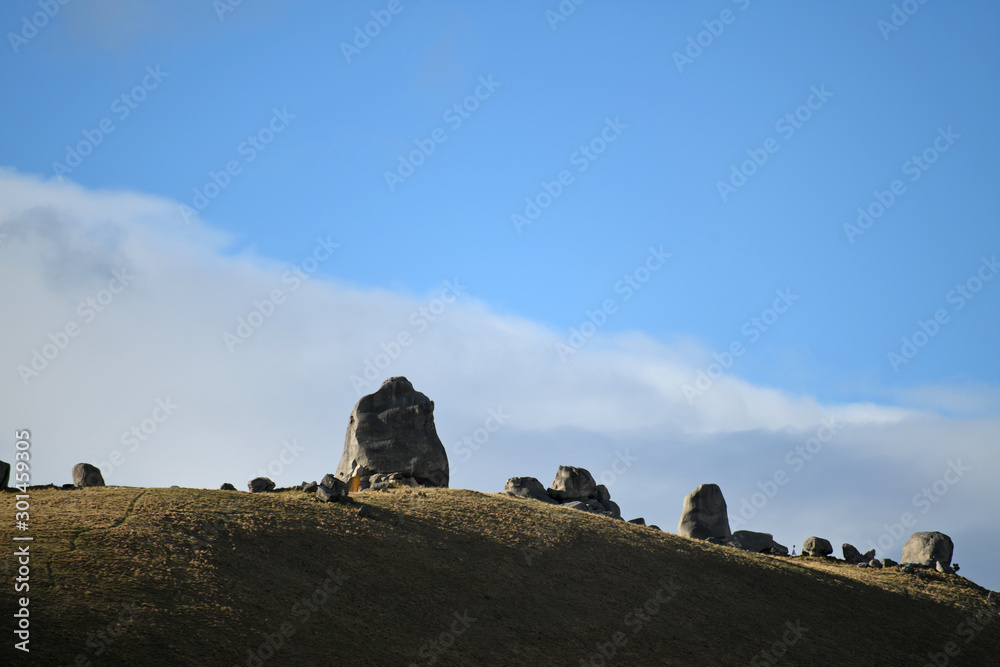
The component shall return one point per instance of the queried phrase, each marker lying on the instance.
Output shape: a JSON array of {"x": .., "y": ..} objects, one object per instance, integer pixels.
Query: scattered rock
[
  {"x": 392, "y": 430},
  {"x": 779, "y": 549},
  {"x": 907, "y": 568},
  {"x": 366, "y": 512},
  {"x": 260, "y": 485},
  {"x": 926, "y": 547},
  {"x": 65, "y": 487},
  {"x": 310, "y": 487},
  {"x": 749, "y": 540},
  {"x": 654, "y": 527},
  {"x": 816, "y": 546},
  {"x": 942, "y": 568},
  {"x": 851, "y": 554},
  {"x": 85, "y": 474},
  {"x": 875, "y": 563},
  {"x": 331, "y": 489},
  {"x": 227, "y": 487},
  {"x": 612, "y": 509},
  {"x": 888, "y": 562},
  {"x": 868, "y": 555},
  {"x": 527, "y": 487},
  {"x": 573, "y": 483},
  {"x": 638, "y": 521},
  {"x": 704, "y": 514},
  {"x": 862, "y": 565}
]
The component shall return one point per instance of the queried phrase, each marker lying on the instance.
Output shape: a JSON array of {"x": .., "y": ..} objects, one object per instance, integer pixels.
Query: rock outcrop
[
  {"x": 85, "y": 474},
  {"x": 704, "y": 514},
  {"x": 927, "y": 547},
  {"x": 816, "y": 546},
  {"x": 392, "y": 431},
  {"x": 573, "y": 487}
]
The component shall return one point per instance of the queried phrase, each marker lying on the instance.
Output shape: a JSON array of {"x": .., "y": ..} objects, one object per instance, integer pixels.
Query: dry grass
[{"x": 211, "y": 573}]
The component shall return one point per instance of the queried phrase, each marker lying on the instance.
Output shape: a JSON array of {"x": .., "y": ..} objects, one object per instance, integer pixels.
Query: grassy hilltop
[{"x": 449, "y": 577}]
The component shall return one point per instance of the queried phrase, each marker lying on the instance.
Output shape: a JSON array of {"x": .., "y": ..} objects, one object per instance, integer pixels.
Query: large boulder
[
  {"x": 572, "y": 483},
  {"x": 816, "y": 546},
  {"x": 391, "y": 431},
  {"x": 927, "y": 547},
  {"x": 749, "y": 540},
  {"x": 704, "y": 514},
  {"x": 527, "y": 487},
  {"x": 85, "y": 474}
]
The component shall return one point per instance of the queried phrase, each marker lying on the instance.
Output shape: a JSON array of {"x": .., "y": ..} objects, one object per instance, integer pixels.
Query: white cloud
[{"x": 162, "y": 337}]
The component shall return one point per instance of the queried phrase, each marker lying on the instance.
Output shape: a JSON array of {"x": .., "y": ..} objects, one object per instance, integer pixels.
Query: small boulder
[
  {"x": 331, "y": 489},
  {"x": 227, "y": 487},
  {"x": 612, "y": 509},
  {"x": 875, "y": 563},
  {"x": 942, "y": 568},
  {"x": 527, "y": 487},
  {"x": 310, "y": 487},
  {"x": 260, "y": 485},
  {"x": 851, "y": 554},
  {"x": 85, "y": 474},
  {"x": 863, "y": 565},
  {"x": 366, "y": 512},
  {"x": 926, "y": 547},
  {"x": 888, "y": 562},
  {"x": 654, "y": 527},
  {"x": 816, "y": 546},
  {"x": 639, "y": 521},
  {"x": 779, "y": 549},
  {"x": 868, "y": 555},
  {"x": 572, "y": 483},
  {"x": 749, "y": 540},
  {"x": 704, "y": 514}
]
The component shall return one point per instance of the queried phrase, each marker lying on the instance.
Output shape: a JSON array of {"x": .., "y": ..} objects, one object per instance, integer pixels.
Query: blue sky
[{"x": 329, "y": 127}]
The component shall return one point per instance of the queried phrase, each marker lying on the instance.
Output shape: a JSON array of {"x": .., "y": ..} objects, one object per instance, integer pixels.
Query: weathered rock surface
[
  {"x": 816, "y": 546},
  {"x": 572, "y": 483},
  {"x": 851, "y": 554},
  {"x": 260, "y": 485},
  {"x": 85, "y": 474},
  {"x": 392, "y": 431},
  {"x": 527, "y": 487},
  {"x": 310, "y": 487},
  {"x": 749, "y": 540},
  {"x": 926, "y": 547},
  {"x": 704, "y": 514},
  {"x": 331, "y": 489},
  {"x": 779, "y": 549}
]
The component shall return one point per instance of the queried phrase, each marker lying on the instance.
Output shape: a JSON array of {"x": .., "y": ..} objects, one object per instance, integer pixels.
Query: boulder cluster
[{"x": 705, "y": 516}]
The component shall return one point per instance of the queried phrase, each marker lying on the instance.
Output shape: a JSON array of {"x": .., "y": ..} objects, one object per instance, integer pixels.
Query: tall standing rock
[
  {"x": 705, "y": 514},
  {"x": 391, "y": 431},
  {"x": 925, "y": 548},
  {"x": 85, "y": 474}
]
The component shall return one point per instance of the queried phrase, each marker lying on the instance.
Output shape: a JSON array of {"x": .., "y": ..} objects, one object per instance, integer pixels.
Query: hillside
[{"x": 448, "y": 577}]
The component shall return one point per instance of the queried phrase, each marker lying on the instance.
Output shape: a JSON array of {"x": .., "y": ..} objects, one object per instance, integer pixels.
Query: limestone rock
[
  {"x": 85, "y": 474},
  {"x": 926, "y": 547},
  {"x": 527, "y": 487},
  {"x": 704, "y": 514},
  {"x": 260, "y": 485},
  {"x": 392, "y": 430},
  {"x": 331, "y": 489},
  {"x": 748, "y": 540},
  {"x": 816, "y": 546},
  {"x": 573, "y": 483}
]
